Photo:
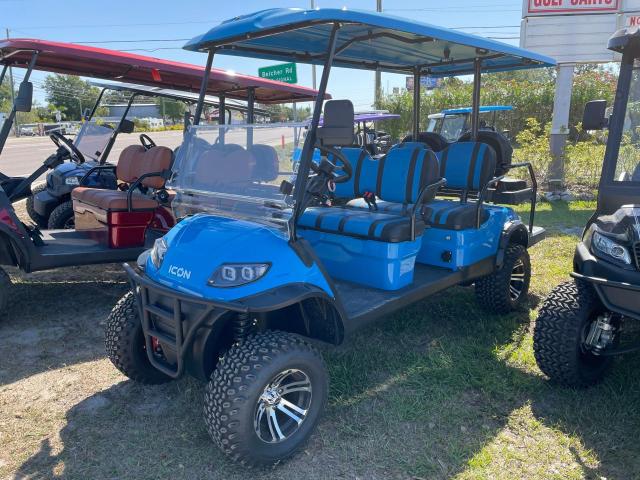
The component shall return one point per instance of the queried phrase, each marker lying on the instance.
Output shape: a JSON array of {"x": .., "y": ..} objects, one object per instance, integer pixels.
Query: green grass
[{"x": 438, "y": 390}]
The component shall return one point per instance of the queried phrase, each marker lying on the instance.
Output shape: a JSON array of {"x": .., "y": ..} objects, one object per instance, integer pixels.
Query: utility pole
[
  {"x": 13, "y": 97},
  {"x": 378, "y": 85},
  {"x": 313, "y": 67}
]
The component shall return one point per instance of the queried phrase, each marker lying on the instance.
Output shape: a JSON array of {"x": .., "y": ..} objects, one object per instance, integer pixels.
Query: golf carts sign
[
  {"x": 572, "y": 6},
  {"x": 285, "y": 72}
]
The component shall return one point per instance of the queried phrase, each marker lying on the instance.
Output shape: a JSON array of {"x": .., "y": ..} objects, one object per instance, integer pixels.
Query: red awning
[{"x": 72, "y": 59}]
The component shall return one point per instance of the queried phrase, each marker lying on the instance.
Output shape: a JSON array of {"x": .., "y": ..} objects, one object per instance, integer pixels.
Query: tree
[
  {"x": 284, "y": 113},
  {"x": 71, "y": 93},
  {"x": 5, "y": 96},
  {"x": 173, "y": 109},
  {"x": 531, "y": 94}
]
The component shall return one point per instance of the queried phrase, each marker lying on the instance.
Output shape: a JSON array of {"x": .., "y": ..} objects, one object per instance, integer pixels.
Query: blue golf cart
[{"x": 262, "y": 262}]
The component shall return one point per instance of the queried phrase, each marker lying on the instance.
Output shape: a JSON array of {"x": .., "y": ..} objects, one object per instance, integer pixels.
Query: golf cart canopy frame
[
  {"x": 360, "y": 40},
  {"x": 367, "y": 40},
  {"x": 483, "y": 109}
]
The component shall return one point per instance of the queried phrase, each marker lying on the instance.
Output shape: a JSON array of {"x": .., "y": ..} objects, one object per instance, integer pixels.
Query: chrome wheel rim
[
  {"x": 517, "y": 280},
  {"x": 283, "y": 406}
]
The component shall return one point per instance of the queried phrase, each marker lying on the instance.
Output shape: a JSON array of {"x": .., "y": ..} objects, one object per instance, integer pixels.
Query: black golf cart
[
  {"x": 114, "y": 224},
  {"x": 583, "y": 322}
]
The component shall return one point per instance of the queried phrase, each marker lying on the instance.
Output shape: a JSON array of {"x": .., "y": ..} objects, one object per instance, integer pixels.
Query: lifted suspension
[{"x": 242, "y": 326}]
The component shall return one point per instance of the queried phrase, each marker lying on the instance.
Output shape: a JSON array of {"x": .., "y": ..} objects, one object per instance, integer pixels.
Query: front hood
[
  {"x": 68, "y": 169},
  {"x": 200, "y": 244},
  {"x": 624, "y": 224}
]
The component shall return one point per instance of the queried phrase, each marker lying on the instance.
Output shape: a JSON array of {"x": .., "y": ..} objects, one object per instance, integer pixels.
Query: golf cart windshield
[
  {"x": 628, "y": 164},
  {"x": 93, "y": 139},
  {"x": 449, "y": 126},
  {"x": 236, "y": 171}
]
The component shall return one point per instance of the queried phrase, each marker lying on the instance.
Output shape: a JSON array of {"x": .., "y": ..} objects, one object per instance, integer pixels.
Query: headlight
[
  {"x": 236, "y": 274},
  {"x": 72, "y": 180},
  {"x": 158, "y": 252},
  {"x": 610, "y": 248}
]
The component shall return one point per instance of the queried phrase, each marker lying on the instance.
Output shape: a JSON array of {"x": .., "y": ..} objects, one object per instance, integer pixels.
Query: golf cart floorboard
[
  {"x": 363, "y": 304},
  {"x": 63, "y": 248}
]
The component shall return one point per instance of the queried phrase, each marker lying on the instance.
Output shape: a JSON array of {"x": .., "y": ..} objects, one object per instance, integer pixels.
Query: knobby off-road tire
[
  {"x": 235, "y": 397},
  {"x": 62, "y": 216},
  {"x": 560, "y": 331},
  {"x": 124, "y": 342},
  {"x": 496, "y": 293},
  {"x": 5, "y": 291},
  {"x": 39, "y": 220}
]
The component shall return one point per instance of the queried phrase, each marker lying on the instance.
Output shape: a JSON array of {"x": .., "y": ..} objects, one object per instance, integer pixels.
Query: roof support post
[
  {"x": 203, "y": 87},
  {"x": 416, "y": 104},
  {"x": 8, "y": 122},
  {"x": 107, "y": 150},
  {"x": 251, "y": 100},
  {"x": 4, "y": 72},
  {"x": 222, "y": 110},
  {"x": 95, "y": 105},
  {"x": 310, "y": 140},
  {"x": 475, "y": 106}
]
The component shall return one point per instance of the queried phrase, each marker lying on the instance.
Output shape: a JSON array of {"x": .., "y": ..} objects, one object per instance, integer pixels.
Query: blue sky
[{"x": 129, "y": 25}]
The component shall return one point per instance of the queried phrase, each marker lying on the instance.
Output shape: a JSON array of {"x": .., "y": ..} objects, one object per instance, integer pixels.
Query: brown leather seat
[
  {"x": 134, "y": 162},
  {"x": 112, "y": 199}
]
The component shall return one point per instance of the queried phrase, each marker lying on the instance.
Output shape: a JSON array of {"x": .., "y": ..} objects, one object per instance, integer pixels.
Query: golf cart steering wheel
[
  {"x": 146, "y": 141},
  {"x": 341, "y": 173},
  {"x": 63, "y": 142}
]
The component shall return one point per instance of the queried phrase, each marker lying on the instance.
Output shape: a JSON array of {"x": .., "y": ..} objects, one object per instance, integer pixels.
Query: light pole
[
  {"x": 313, "y": 67},
  {"x": 378, "y": 85}
]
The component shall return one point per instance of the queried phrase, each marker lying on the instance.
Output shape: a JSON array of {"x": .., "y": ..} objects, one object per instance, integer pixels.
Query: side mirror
[
  {"x": 594, "y": 116},
  {"x": 127, "y": 126},
  {"x": 24, "y": 100}
]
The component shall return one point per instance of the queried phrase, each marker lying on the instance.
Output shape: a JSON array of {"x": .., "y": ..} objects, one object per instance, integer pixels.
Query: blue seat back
[
  {"x": 363, "y": 179},
  {"x": 405, "y": 171},
  {"x": 467, "y": 165}
]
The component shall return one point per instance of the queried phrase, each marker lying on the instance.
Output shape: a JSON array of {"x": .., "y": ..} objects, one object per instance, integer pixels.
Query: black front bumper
[
  {"x": 618, "y": 289},
  {"x": 174, "y": 319}
]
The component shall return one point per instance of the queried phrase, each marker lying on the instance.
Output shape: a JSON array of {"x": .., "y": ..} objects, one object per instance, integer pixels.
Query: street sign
[{"x": 285, "y": 72}]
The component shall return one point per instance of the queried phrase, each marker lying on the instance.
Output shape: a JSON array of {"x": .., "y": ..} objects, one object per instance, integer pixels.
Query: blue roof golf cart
[
  {"x": 451, "y": 123},
  {"x": 264, "y": 260}
]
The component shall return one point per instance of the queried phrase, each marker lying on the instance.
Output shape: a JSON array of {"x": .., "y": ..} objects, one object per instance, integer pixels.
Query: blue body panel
[
  {"x": 466, "y": 246},
  {"x": 301, "y": 34},
  {"x": 198, "y": 245},
  {"x": 388, "y": 266}
]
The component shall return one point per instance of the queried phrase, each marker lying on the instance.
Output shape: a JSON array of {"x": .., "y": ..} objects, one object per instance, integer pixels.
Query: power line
[{"x": 117, "y": 25}]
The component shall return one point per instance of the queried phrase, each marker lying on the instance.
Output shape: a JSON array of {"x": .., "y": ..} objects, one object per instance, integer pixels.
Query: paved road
[{"x": 21, "y": 156}]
